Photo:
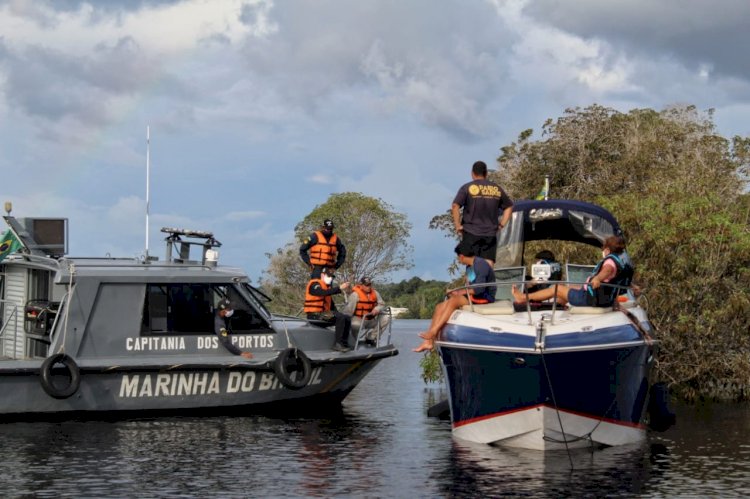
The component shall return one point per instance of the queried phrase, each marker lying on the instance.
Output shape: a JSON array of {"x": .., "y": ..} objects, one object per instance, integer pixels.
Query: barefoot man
[{"x": 478, "y": 271}]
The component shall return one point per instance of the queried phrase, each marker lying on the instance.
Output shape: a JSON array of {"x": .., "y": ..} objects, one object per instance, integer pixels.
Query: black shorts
[{"x": 482, "y": 246}]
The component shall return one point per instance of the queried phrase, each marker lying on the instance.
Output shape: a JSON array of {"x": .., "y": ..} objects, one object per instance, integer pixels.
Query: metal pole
[{"x": 148, "y": 186}]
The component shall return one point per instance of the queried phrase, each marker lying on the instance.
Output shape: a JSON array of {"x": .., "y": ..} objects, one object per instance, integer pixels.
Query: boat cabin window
[
  {"x": 577, "y": 274},
  {"x": 258, "y": 298},
  {"x": 39, "y": 284},
  {"x": 505, "y": 278},
  {"x": 189, "y": 309}
]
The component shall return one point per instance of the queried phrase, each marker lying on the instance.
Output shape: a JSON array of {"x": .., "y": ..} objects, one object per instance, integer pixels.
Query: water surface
[{"x": 380, "y": 444}]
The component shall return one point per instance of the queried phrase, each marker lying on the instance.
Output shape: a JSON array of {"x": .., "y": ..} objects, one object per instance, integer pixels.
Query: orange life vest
[
  {"x": 314, "y": 304},
  {"x": 367, "y": 301},
  {"x": 324, "y": 253}
]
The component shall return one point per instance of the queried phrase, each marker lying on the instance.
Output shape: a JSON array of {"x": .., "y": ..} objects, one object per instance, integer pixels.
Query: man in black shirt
[{"x": 486, "y": 210}]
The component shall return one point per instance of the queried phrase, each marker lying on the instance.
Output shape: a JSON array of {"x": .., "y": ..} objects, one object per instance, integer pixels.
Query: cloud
[
  {"x": 445, "y": 67},
  {"x": 320, "y": 178},
  {"x": 73, "y": 62},
  {"x": 696, "y": 33}
]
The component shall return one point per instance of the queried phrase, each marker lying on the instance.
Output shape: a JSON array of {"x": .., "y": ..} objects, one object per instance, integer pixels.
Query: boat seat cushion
[
  {"x": 588, "y": 310},
  {"x": 599, "y": 310},
  {"x": 502, "y": 307}
]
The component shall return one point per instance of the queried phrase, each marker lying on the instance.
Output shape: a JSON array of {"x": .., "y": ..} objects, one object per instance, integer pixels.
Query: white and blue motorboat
[{"x": 544, "y": 375}]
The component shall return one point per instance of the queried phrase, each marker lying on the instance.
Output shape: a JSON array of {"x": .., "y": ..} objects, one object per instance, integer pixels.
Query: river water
[{"x": 381, "y": 444}]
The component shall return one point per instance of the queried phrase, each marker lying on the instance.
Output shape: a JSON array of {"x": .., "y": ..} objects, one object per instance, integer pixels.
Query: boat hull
[
  {"x": 551, "y": 399},
  {"x": 140, "y": 389}
]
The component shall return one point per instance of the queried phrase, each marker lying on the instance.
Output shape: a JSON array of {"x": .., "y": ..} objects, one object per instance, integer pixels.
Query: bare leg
[
  {"x": 442, "y": 313},
  {"x": 560, "y": 291},
  {"x": 432, "y": 330}
]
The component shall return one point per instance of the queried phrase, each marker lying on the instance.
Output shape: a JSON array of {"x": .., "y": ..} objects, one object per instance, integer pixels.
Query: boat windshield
[
  {"x": 554, "y": 219},
  {"x": 258, "y": 299}
]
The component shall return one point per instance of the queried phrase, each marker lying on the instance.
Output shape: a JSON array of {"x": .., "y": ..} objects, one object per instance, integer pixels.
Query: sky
[{"x": 258, "y": 110}]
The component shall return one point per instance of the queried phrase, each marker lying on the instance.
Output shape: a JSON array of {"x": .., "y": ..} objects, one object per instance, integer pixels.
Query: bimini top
[{"x": 555, "y": 219}]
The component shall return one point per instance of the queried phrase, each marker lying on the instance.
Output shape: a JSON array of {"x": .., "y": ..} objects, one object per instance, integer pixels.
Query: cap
[
  {"x": 327, "y": 271},
  {"x": 328, "y": 223},
  {"x": 366, "y": 281},
  {"x": 224, "y": 304}
]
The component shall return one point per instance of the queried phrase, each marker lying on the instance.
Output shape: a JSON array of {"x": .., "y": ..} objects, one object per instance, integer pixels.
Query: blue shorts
[{"x": 578, "y": 297}]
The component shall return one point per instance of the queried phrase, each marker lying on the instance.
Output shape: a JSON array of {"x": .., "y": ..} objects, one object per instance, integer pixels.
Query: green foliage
[
  {"x": 676, "y": 187},
  {"x": 375, "y": 237},
  {"x": 419, "y": 296},
  {"x": 430, "y": 364}
]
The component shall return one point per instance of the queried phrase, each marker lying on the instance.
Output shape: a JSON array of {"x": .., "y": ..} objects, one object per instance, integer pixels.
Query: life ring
[
  {"x": 289, "y": 361},
  {"x": 46, "y": 376}
]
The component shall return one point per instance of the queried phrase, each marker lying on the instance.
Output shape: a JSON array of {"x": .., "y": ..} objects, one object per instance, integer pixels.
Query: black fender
[
  {"x": 661, "y": 415},
  {"x": 46, "y": 376},
  {"x": 289, "y": 361}
]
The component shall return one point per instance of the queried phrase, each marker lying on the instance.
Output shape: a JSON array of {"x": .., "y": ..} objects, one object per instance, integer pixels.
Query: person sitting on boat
[
  {"x": 545, "y": 257},
  {"x": 319, "y": 307},
  {"x": 478, "y": 271},
  {"x": 224, "y": 311},
  {"x": 365, "y": 305},
  {"x": 613, "y": 268},
  {"x": 325, "y": 250}
]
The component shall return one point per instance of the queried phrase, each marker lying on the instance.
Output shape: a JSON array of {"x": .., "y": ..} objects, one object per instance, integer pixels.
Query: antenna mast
[{"x": 148, "y": 177}]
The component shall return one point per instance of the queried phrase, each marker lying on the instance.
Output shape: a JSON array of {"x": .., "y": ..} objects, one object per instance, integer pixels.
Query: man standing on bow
[
  {"x": 325, "y": 250},
  {"x": 486, "y": 210}
]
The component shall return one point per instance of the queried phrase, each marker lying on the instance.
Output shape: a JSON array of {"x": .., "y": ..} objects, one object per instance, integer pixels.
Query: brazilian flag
[
  {"x": 544, "y": 193},
  {"x": 9, "y": 244}
]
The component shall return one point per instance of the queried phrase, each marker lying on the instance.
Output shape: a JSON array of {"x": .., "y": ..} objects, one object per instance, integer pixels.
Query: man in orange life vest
[
  {"x": 365, "y": 306},
  {"x": 326, "y": 250},
  {"x": 319, "y": 306}
]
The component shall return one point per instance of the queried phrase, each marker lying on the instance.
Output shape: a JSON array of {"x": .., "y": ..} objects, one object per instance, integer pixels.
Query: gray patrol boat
[{"x": 118, "y": 336}]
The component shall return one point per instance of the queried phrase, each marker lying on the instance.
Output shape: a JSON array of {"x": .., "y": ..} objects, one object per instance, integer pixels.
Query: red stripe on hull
[{"x": 583, "y": 414}]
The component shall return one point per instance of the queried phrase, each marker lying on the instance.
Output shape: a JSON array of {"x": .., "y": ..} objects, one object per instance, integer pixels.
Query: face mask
[
  {"x": 229, "y": 313},
  {"x": 604, "y": 253},
  {"x": 328, "y": 280}
]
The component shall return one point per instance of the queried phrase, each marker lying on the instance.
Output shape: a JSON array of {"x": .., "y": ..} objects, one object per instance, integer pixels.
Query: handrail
[
  {"x": 14, "y": 316},
  {"x": 556, "y": 283},
  {"x": 51, "y": 263},
  {"x": 385, "y": 311}
]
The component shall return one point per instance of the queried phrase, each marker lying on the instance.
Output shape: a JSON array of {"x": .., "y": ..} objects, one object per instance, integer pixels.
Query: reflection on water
[
  {"x": 380, "y": 444},
  {"x": 481, "y": 470}
]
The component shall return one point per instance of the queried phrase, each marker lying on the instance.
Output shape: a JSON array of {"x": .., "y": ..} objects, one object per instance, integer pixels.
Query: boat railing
[
  {"x": 112, "y": 262},
  {"x": 51, "y": 264},
  {"x": 385, "y": 313},
  {"x": 9, "y": 317},
  {"x": 503, "y": 292}
]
